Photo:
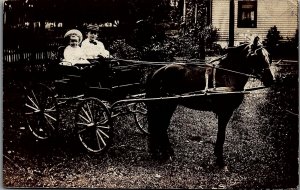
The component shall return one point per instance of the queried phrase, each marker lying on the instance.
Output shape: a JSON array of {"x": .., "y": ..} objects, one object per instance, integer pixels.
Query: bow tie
[{"x": 93, "y": 42}]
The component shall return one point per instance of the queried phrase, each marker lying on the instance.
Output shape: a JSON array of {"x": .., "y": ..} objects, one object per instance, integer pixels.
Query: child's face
[
  {"x": 92, "y": 35},
  {"x": 74, "y": 41}
]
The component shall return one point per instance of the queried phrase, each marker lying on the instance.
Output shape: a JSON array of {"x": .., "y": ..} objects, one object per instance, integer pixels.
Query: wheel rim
[
  {"x": 93, "y": 124},
  {"x": 140, "y": 117},
  {"x": 41, "y": 111}
]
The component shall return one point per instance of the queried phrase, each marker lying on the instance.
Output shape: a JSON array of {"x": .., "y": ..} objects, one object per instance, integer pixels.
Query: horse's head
[{"x": 259, "y": 61}]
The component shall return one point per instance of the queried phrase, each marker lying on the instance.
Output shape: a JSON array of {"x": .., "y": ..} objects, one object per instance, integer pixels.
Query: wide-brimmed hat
[
  {"x": 74, "y": 32},
  {"x": 92, "y": 27}
]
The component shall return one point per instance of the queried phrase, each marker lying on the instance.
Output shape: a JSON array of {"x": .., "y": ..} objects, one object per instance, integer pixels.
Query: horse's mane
[
  {"x": 255, "y": 46},
  {"x": 266, "y": 55},
  {"x": 234, "y": 55}
]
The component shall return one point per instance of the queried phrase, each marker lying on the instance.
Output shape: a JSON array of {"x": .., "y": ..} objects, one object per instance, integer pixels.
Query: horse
[{"x": 232, "y": 74}]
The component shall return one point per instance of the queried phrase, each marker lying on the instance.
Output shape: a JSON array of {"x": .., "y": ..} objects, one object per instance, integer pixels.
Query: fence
[
  {"x": 284, "y": 68},
  {"x": 33, "y": 54}
]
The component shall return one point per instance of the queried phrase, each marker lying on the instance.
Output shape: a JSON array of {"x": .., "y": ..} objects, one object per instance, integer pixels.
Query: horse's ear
[{"x": 256, "y": 43}]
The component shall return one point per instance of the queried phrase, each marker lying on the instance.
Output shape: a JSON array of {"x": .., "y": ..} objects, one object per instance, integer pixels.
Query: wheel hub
[{"x": 90, "y": 124}]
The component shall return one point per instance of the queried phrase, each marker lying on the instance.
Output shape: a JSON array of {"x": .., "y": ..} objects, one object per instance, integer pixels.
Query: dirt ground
[{"x": 261, "y": 149}]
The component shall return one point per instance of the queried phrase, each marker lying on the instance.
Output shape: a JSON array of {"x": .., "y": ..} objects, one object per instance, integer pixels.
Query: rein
[{"x": 199, "y": 64}]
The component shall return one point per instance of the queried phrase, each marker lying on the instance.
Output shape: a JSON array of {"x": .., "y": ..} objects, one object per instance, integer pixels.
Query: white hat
[{"x": 74, "y": 32}]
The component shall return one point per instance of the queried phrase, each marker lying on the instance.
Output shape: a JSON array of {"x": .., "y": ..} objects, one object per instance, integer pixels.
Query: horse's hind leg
[
  {"x": 165, "y": 145},
  {"x": 223, "y": 119},
  {"x": 159, "y": 117}
]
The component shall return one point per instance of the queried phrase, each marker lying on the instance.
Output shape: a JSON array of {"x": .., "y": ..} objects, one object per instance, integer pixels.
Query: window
[{"x": 247, "y": 14}]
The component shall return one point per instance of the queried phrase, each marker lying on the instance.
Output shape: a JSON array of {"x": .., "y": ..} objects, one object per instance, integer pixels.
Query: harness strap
[{"x": 199, "y": 64}]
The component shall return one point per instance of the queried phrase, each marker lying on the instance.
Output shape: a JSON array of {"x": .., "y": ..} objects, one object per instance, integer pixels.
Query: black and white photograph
[{"x": 150, "y": 94}]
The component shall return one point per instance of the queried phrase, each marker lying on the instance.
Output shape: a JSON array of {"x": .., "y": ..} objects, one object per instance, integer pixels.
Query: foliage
[
  {"x": 211, "y": 36},
  {"x": 196, "y": 31},
  {"x": 289, "y": 48},
  {"x": 142, "y": 27},
  {"x": 279, "y": 48},
  {"x": 295, "y": 39},
  {"x": 120, "y": 49},
  {"x": 150, "y": 39},
  {"x": 273, "y": 38}
]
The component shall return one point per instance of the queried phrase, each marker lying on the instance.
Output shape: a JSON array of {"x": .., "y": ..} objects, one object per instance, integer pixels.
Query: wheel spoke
[
  {"x": 78, "y": 123},
  {"x": 99, "y": 135},
  {"x": 140, "y": 116},
  {"x": 36, "y": 106},
  {"x": 35, "y": 109},
  {"x": 103, "y": 121},
  {"x": 99, "y": 138},
  {"x": 52, "y": 109},
  {"x": 35, "y": 98},
  {"x": 84, "y": 118},
  {"x": 141, "y": 109},
  {"x": 50, "y": 123},
  {"x": 50, "y": 116},
  {"x": 141, "y": 112},
  {"x": 103, "y": 133},
  {"x": 89, "y": 119},
  {"x": 103, "y": 127},
  {"x": 82, "y": 130},
  {"x": 89, "y": 110},
  {"x": 29, "y": 113}
]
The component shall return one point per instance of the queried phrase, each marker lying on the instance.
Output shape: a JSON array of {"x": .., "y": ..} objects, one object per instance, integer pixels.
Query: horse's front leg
[{"x": 223, "y": 119}]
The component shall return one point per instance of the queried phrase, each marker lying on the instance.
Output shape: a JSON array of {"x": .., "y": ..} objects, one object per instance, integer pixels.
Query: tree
[
  {"x": 195, "y": 26},
  {"x": 273, "y": 38}
]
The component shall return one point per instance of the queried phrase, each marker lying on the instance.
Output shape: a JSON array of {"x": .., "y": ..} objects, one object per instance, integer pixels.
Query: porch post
[{"x": 231, "y": 24}]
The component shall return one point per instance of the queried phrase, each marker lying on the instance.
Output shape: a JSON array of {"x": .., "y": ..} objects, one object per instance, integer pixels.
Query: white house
[{"x": 254, "y": 17}]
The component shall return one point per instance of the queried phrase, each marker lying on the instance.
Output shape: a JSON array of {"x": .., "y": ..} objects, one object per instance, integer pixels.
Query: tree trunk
[{"x": 202, "y": 48}]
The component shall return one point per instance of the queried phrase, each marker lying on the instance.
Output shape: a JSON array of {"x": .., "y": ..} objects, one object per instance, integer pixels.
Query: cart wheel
[
  {"x": 93, "y": 125},
  {"x": 140, "y": 117},
  {"x": 41, "y": 111}
]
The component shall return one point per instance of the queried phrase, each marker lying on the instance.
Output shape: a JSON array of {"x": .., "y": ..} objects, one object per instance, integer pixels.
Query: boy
[{"x": 93, "y": 48}]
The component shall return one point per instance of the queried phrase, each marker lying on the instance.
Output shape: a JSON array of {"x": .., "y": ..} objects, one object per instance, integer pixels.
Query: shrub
[
  {"x": 120, "y": 49},
  {"x": 273, "y": 38},
  {"x": 295, "y": 39}
]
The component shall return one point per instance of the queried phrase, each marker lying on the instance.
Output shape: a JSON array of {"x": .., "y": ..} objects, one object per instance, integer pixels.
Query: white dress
[{"x": 74, "y": 55}]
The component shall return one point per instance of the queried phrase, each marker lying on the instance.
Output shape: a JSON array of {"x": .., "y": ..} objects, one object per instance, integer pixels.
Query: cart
[{"x": 94, "y": 87}]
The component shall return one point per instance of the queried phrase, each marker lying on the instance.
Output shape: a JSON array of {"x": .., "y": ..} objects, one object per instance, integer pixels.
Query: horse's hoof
[
  {"x": 155, "y": 155},
  {"x": 224, "y": 169},
  {"x": 171, "y": 158},
  {"x": 220, "y": 162}
]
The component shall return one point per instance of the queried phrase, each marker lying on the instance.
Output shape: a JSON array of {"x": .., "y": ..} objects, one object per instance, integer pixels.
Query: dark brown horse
[{"x": 176, "y": 79}]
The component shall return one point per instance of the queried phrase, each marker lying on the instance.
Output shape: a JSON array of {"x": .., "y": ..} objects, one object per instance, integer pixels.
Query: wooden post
[
  {"x": 196, "y": 6},
  {"x": 184, "y": 11},
  {"x": 209, "y": 12},
  {"x": 202, "y": 40},
  {"x": 231, "y": 24}
]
